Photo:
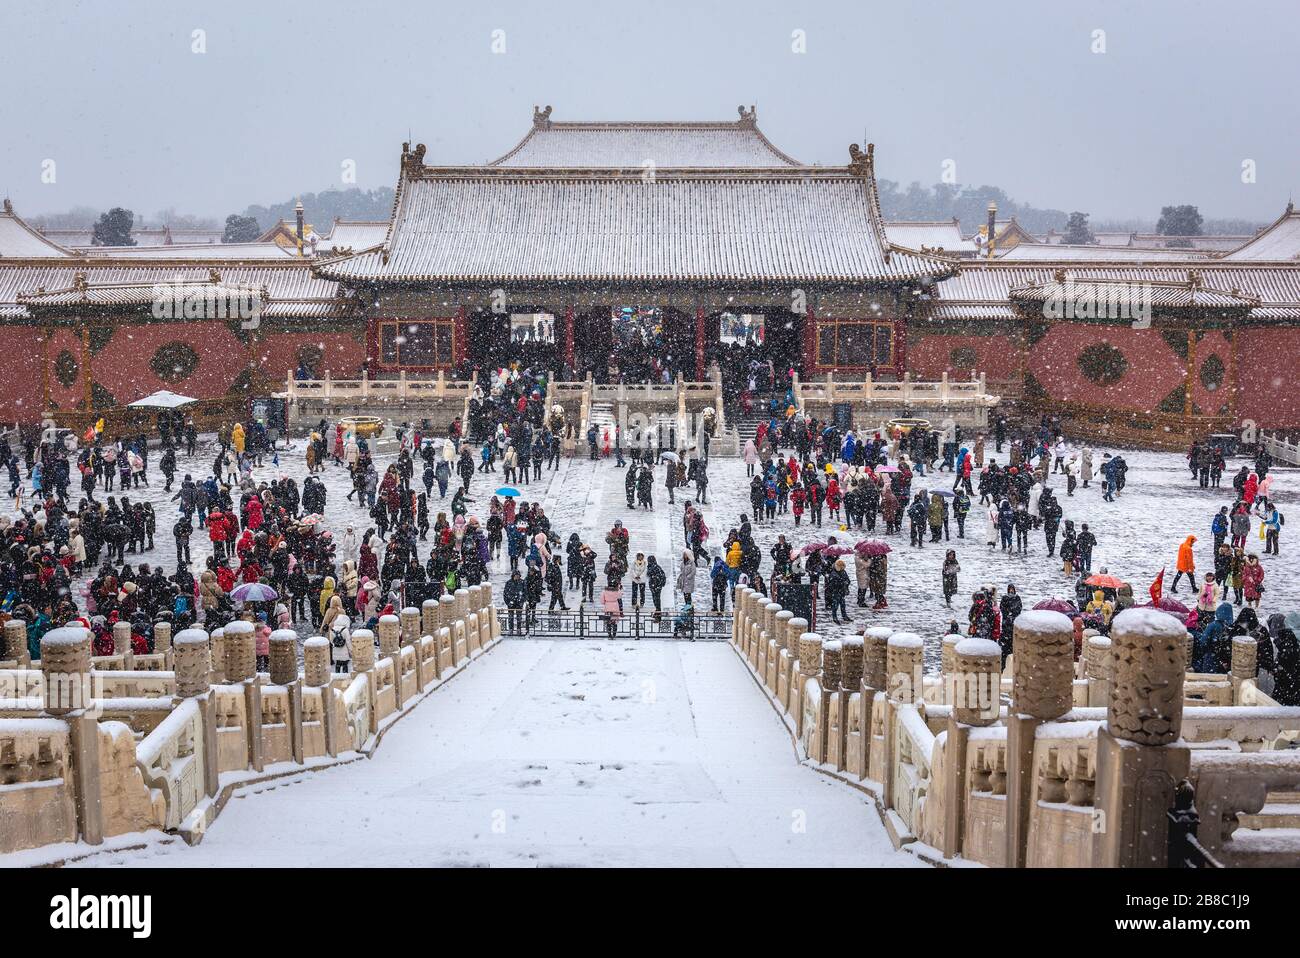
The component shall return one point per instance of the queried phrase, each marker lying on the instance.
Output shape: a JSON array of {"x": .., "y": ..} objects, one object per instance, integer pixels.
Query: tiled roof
[
  {"x": 945, "y": 234},
  {"x": 294, "y": 292},
  {"x": 472, "y": 224},
  {"x": 20, "y": 241},
  {"x": 630, "y": 145},
  {"x": 123, "y": 295},
  {"x": 353, "y": 235},
  {"x": 982, "y": 290},
  {"x": 1060, "y": 252},
  {"x": 1279, "y": 242},
  {"x": 1165, "y": 294},
  {"x": 194, "y": 251}
]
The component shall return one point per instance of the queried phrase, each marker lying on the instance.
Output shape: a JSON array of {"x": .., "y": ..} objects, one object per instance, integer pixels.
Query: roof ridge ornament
[
  {"x": 213, "y": 276},
  {"x": 1194, "y": 278},
  {"x": 9, "y": 206},
  {"x": 412, "y": 160},
  {"x": 542, "y": 118},
  {"x": 860, "y": 161},
  {"x": 748, "y": 118},
  {"x": 79, "y": 280}
]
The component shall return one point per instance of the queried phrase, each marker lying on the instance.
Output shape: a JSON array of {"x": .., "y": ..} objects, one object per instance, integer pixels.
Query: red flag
[{"x": 1158, "y": 588}]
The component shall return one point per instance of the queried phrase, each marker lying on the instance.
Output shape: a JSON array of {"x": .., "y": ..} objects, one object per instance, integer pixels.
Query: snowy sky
[{"x": 1009, "y": 91}]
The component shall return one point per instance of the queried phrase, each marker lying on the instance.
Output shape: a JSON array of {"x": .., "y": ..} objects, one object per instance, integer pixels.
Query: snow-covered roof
[
  {"x": 294, "y": 293},
  {"x": 944, "y": 234},
  {"x": 353, "y": 235},
  {"x": 163, "y": 399},
  {"x": 981, "y": 290},
  {"x": 474, "y": 224},
  {"x": 195, "y": 251},
  {"x": 118, "y": 295},
  {"x": 1161, "y": 294},
  {"x": 1279, "y": 242},
  {"x": 631, "y": 145},
  {"x": 20, "y": 241},
  {"x": 143, "y": 236},
  {"x": 1062, "y": 252}
]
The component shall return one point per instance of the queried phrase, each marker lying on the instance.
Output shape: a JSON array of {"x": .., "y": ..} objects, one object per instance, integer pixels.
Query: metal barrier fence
[{"x": 583, "y": 623}]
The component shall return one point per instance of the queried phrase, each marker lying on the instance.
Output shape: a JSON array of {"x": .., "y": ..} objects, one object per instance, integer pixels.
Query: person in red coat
[
  {"x": 797, "y": 498},
  {"x": 255, "y": 513},
  {"x": 834, "y": 498},
  {"x": 217, "y": 533}
]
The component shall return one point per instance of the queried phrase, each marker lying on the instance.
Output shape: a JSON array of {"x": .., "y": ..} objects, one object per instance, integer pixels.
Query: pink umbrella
[
  {"x": 886, "y": 469},
  {"x": 1057, "y": 605},
  {"x": 872, "y": 547},
  {"x": 812, "y": 547},
  {"x": 836, "y": 551},
  {"x": 1167, "y": 604}
]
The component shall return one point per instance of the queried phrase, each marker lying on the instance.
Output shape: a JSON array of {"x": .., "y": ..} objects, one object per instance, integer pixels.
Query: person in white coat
[
  {"x": 348, "y": 547},
  {"x": 751, "y": 456},
  {"x": 339, "y": 636},
  {"x": 686, "y": 575}
]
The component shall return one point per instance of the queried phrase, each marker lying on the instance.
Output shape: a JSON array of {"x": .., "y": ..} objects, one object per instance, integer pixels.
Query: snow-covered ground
[
  {"x": 1137, "y": 535},
  {"x": 561, "y": 753}
]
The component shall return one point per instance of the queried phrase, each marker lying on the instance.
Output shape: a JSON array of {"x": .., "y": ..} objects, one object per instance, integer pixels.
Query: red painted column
[
  {"x": 460, "y": 335},
  {"x": 699, "y": 344},
  {"x": 568, "y": 338},
  {"x": 900, "y": 345},
  {"x": 809, "y": 342}
]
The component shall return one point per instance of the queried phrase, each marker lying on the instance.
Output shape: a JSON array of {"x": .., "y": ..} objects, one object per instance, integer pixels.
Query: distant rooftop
[{"x": 631, "y": 145}]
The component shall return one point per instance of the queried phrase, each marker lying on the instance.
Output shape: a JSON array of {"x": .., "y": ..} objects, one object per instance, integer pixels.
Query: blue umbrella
[{"x": 508, "y": 492}]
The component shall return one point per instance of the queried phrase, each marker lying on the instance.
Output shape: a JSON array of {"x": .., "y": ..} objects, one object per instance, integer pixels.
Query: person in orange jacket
[{"x": 1186, "y": 564}]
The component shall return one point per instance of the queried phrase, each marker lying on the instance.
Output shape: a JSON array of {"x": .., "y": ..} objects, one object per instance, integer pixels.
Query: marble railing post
[
  {"x": 904, "y": 671},
  {"x": 1141, "y": 757},
  {"x": 65, "y": 674},
  {"x": 490, "y": 609},
  {"x": 1042, "y": 690},
  {"x": 948, "y": 666},
  {"x": 1097, "y": 670},
  {"x": 122, "y": 644},
  {"x": 217, "y": 653},
  {"x": 977, "y": 695},
  {"x": 430, "y": 623},
  {"x": 448, "y": 605},
  {"x": 284, "y": 671},
  {"x": 1245, "y": 663},
  {"x": 362, "y": 646},
  {"x": 795, "y": 628},
  {"x": 162, "y": 643},
  {"x": 316, "y": 673},
  {"x": 193, "y": 658},
  {"x": 390, "y": 647},
  {"x": 241, "y": 668},
  {"x": 15, "y": 638}
]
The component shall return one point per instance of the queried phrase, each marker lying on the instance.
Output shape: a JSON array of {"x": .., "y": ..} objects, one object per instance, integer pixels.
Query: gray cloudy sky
[{"x": 1010, "y": 91}]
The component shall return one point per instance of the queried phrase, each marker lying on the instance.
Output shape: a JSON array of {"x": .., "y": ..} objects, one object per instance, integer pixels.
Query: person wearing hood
[
  {"x": 1286, "y": 668},
  {"x": 720, "y": 577},
  {"x": 686, "y": 576},
  {"x": 949, "y": 572},
  {"x": 1186, "y": 564},
  {"x": 640, "y": 569},
  {"x": 656, "y": 579},
  {"x": 1212, "y": 647},
  {"x": 1100, "y": 607},
  {"x": 862, "y": 575},
  {"x": 1252, "y": 580}
]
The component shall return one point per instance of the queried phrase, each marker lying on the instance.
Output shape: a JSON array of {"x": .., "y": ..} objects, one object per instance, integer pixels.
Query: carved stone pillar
[
  {"x": 783, "y": 619},
  {"x": 410, "y": 619},
  {"x": 1097, "y": 669},
  {"x": 810, "y": 654},
  {"x": 241, "y": 651},
  {"x": 284, "y": 657},
  {"x": 832, "y": 666},
  {"x": 162, "y": 636},
  {"x": 363, "y": 650},
  {"x": 875, "y": 656},
  {"x": 65, "y": 669},
  {"x": 193, "y": 663},
  {"x": 316, "y": 661},
  {"x": 851, "y": 663},
  {"x": 217, "y": 653},
  {"x": 1140, "y": 755},
  {"x": 15, "y": 637},
  {"x": 1245, "y": 658},
  {"x": 429, "y": 623},
  {"x": 389, "y": 638},
  {"x": 1042, "y": 690},
  {"x": 904, "y": 665},
  {"x": 977, "y": 670},
  {"x": 192, "y": 655},
  {"x": 122, "y": 638}
]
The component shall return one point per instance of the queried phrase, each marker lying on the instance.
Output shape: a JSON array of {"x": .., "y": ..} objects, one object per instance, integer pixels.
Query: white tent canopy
[{"x": 163, "y": 399}]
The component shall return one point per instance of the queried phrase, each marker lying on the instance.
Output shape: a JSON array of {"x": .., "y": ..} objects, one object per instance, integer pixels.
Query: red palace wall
[
  {"x": 199, "y": 359},
  {"x": 1131, "y": 369},
  {"x": 20, "y": 386},
  {"x": 1267, "y": 377}
]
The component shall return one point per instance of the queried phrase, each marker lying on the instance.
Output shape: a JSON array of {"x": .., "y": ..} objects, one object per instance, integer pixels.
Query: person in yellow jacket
[
  {"x": 326, "y": 593},
  {"x": 237, "y": 438},
  {"x": 1100, "y": 606},
  {"x": 734, "y": 555}
]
